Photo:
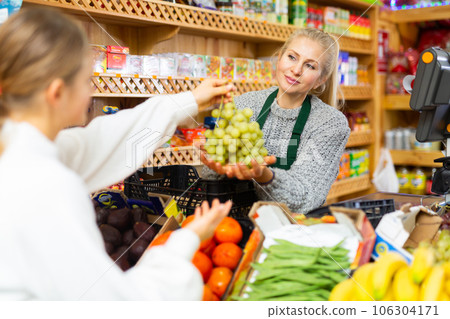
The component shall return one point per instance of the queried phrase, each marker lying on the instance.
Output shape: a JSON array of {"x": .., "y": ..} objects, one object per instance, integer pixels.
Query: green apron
[{"x": 286, "y": 163}]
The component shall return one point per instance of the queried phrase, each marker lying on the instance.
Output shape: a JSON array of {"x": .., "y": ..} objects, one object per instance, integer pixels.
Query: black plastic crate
[
  {"x": 374, "y": 209},
  {"x": 190, "y": 191}
]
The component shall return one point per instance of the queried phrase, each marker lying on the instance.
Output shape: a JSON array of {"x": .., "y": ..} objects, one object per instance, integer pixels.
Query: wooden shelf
[
  {"x": 358, "y": 4},
  {"x": 349, "y": 186},
  {"x": 416, "y": 158},
  {"x": 118, "y": 85},
  {"x": 189, "y": 20},
  {"x": 357, "y": 92},
  {"x": 397, "y": 102},
  {"x": 417, "y": 15},
  {"x": 359, "y": 139}
]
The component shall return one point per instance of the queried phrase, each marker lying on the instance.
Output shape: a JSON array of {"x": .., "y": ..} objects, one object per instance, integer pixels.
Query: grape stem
[{"x": 220, "y": 112}]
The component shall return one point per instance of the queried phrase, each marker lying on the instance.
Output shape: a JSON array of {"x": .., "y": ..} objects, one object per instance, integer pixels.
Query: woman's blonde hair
[
  {"x": 38, "y": 45},
  {"x": 329, "y": 89}
]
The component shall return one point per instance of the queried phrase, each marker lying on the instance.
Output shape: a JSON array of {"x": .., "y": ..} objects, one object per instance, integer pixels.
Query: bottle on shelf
[
  {"x": 404, "y": 179},
  {"x": 418, "y": 182}
]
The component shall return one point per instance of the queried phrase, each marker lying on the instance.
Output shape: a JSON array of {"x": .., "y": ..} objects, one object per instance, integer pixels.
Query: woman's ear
[
  {"x": 55, "y": 92},
  {"x": 320, "y": 81}
]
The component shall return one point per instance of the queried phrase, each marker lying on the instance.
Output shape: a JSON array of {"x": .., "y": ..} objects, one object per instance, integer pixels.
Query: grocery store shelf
[
  {"x": 360, "y": 4},
  {"x": 118, "y": 85},
  {"x": 397, "y": 102},
  {"x": 417, "y": 15},
  {"x": 357, "y": 92},
  {"x": 416, "y": 158},
  {"x": 349, "y": 186},
  {"x": 359, "y": 139},
  {"x": 190, "y": 20}
]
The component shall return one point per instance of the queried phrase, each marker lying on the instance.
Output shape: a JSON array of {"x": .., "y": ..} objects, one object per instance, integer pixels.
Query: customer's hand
[
  {"x": 259, "y": 172},
  {"x": 210, "y": 92},
  {"x": 207, "y": 218}
]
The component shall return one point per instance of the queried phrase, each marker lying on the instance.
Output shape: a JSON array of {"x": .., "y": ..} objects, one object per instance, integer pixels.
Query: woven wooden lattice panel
[
  {"x": 189, "y": 17},
  {"x": 186, "y": 155},
  {"x": 130, "y": 85}
]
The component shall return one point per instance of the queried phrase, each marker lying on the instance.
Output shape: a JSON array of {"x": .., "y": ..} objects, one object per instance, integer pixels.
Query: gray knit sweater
[{"x": 306, "y": 184}]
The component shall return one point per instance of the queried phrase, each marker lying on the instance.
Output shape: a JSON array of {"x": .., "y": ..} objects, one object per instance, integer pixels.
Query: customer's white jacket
[{"x": 50, "y": 245}]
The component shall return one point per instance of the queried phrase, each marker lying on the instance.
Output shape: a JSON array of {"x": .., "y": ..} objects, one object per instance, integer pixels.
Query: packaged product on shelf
[
  {"x": 213, "y": 67},
  {"x": 117, "y": 58},
  {"x": 134, "y": 64},
  {"x": 239, "y": 7},
  {"x": 311, "y": 20},
  {"x": 266, "y": 71},
  {"x": 404, "y": 180},
  {"x": 318, "y": 23},
  {"x": 359, "y": 162},
  {"x": 207, "y": 4},
  {"x": 240, "y": 69},
  {"x": 330, "y": 19},
  {"x": 358, "y": 121},
  {"x": 194, "y": 135},
  {"x": 185, "y": 65},
  {"x": 167, "y": 65},
  {"x": 251, "y": 72},
  {"x": 298, "y": 12},
  {"x": 258, "y": 70},
  {"x": 394, "y": 83},
  {"x": 282, "y": 11},
  {"x": 225, "y": 6},
  {"x": 150, "y": 65},
  {"x": 418, "y": 182},
  {"x": 344, "y": 166},
  {"x": 226, "y": 68},
  {"x": 343, "y": 67},
  {"x": 200, "y": 66},
  {"x": 268, "y": 11},
  {"x": 99, "y": 58}
]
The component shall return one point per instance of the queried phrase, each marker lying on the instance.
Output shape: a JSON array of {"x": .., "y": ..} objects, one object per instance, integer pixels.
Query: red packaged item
[
  {"x": 412, "y": 55},
  {"x": 117, "y": 49},
  {"x": 194, "y": 135},
  {"x": 116, "y": 61}
]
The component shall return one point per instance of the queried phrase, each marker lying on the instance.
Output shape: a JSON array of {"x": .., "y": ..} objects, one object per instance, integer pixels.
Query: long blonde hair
[
  {"x": 328, "y": 90},
  {"x": 38, "y": 45}
]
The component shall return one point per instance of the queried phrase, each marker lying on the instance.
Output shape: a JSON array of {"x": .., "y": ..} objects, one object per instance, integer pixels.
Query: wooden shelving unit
[
  {"x": 416, "y": 158},
  {"x": 417, "y": 15},
  {"x": 188, "y": 20},
  {"x": 152, "y": 26},
  {"x": 397, "y": 102},
  {"x": 118, "y": 85}
]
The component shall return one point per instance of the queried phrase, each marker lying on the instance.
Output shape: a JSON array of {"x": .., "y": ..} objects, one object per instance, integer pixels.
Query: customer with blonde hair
[{"x": 51, "y": 247}]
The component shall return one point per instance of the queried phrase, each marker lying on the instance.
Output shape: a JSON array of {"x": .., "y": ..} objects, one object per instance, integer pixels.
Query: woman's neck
[
  {"x": 43, "y": 123},
  {"x": 290, "y": 101}
]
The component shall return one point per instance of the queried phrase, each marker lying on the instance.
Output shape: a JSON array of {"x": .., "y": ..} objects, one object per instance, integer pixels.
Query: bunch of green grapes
[
  {"x": 235, "y": 139},
  {"x": 442, "y": 246}
]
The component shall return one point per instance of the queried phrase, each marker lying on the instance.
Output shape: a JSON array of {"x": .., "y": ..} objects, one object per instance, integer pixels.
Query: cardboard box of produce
[
  {"x": 277, "y": 215},
  {"x": 404, "y": 229}
]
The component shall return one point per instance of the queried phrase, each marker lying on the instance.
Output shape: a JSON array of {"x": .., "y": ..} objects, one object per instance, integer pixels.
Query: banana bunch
[{"x": 390, "y": 278}]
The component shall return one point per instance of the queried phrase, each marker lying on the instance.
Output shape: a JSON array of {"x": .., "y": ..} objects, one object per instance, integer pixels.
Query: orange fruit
[
  {"x": 208, "y": 250},
  {"x": 208, "y": 295},
  {"x": 206, "y": 243},
  {"x": 161, "y": 239},
  {"x": 228, "y": 231},
  {"x": 227, "y": 255},
  {"x": 187, "y": 220},
  {"x": 219, "y": 280},
  {"x": 203, "y": 264}
]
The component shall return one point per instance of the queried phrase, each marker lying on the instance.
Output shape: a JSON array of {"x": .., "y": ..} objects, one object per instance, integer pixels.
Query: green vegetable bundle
[{"x": 300, "y": 273}]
